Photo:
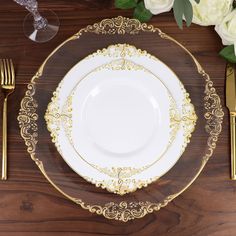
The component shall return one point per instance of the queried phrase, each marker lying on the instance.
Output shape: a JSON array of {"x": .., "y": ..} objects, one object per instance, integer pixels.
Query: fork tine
[
  {"x": 8, "y": 72},
  {"x": 12, "y": 72},
  {"x": 2, "y": 72},
  {"x": 5, "y": 82}
]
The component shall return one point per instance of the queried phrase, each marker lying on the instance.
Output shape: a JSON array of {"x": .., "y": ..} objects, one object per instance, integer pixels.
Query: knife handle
[{"x": 233, "y": 145}]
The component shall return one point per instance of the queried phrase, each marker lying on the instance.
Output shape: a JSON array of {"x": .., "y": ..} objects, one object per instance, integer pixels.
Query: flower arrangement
[{"x": 220, "y": 13}]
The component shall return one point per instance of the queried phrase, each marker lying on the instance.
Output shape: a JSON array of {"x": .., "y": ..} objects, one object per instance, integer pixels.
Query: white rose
[
  {"x": 210, "y": 12},
  {"x": 227, "y": 29},
  {"x": 158, "y": 6}
]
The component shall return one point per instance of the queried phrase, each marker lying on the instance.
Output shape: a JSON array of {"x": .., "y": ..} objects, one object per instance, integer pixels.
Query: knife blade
[{"x": 231, "y": 104}]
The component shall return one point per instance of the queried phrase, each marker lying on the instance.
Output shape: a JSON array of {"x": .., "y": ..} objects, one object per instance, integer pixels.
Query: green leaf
[
  {"x": 125, "y": 4},
  {"x": 183, "y": 8},
  {"x": 197, "y": 1},
  {"x": 188, "y": 12},
  {"x": 228, "y": 53},
  {"x": 234, "y": 4},
  {"x": 141, "y": 13},
  {"x": 178, "y": 12}
]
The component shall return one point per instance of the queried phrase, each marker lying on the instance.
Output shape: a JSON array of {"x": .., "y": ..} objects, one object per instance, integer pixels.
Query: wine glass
[{"x": 39, "y": 28}]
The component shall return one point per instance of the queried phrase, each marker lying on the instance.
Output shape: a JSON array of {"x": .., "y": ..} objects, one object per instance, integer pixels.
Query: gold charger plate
[{"x": 43, "y": 152}]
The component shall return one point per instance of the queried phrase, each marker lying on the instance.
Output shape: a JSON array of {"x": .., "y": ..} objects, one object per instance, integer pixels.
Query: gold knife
[{"x": 231, "y": 104}]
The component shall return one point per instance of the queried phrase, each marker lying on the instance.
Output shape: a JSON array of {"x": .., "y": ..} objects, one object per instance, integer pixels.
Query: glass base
[{"x": 45, "y": 34}]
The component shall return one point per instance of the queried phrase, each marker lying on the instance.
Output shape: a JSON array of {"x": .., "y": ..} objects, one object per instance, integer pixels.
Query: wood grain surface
[{"x": 29, "y": 206}]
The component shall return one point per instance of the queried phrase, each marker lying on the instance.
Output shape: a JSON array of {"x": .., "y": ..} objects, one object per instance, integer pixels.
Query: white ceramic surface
[{"x": 120, "y": 117}]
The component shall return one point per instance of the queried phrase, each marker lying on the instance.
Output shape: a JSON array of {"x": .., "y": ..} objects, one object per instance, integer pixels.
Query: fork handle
[
  {"x": 233, "y": 145},
  {"x": 4, "y": 140}
]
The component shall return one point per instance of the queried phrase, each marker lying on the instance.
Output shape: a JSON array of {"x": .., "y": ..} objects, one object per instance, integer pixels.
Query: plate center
[{"x": 120, "y": 119}]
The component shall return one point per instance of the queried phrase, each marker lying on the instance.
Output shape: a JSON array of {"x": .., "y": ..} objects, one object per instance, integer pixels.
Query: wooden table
[{"x": 28, "y": 203}]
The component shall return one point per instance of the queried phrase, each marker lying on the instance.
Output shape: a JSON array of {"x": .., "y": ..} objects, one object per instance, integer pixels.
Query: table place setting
[{"x": 120, "y": 118}]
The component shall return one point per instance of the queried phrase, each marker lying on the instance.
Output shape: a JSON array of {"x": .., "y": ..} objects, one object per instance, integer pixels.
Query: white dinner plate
[{"x": 124, "y": 118}]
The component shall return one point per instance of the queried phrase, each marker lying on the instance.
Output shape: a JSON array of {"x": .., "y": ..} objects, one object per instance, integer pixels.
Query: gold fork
[{"x": 8, "y": 86}]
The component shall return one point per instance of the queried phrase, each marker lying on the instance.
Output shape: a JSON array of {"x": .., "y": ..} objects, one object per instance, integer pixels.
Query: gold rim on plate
[{"x": 123, "y": 211}]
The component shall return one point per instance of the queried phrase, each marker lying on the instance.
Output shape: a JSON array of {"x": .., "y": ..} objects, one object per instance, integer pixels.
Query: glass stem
[
  {"x": 39, "y": 21},
  {"x": 36, "y": 14}
]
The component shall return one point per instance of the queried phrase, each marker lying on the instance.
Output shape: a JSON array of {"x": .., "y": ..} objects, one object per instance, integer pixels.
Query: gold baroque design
[
  {"x": 189, "y": 117},
  {"x": 118, "y": 25},
  {"x": 28, "y": 119},
  {"x": 122, "y": 185},
  {"x": 123, "y": 211},
  {"x": 120, "y": 51},
  {"x": 121, "y": 64},
  {"x": 65, "y": 117}
]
